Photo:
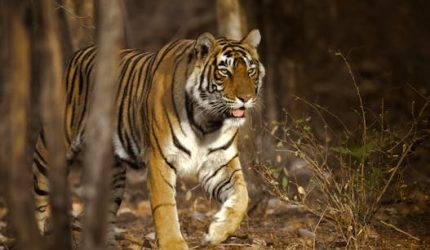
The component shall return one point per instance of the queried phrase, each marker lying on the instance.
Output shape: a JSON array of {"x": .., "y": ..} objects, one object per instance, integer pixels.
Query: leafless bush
[{"x": 352, "y": 167}]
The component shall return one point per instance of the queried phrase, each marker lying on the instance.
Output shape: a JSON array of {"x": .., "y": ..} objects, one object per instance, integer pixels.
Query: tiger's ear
[
  {"x": 252, "y": 39},
  {"x": 204, "y": 44}
]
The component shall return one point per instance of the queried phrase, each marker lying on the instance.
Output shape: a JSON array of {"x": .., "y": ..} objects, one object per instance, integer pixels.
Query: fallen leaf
[{"x": 301, "y": 190}]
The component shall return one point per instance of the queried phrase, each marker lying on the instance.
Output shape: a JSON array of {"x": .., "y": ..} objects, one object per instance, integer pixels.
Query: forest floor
[{"x": 279, "y": 225}]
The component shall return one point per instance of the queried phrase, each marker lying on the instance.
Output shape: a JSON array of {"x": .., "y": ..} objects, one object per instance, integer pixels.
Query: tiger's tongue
[{"x": 238, "y": 112}]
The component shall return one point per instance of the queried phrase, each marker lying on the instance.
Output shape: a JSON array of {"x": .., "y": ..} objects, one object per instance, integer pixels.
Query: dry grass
[{"x": 353, "y": 167}]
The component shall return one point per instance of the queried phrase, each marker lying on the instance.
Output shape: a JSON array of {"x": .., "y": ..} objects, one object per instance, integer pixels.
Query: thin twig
[
  {"x": 413, "y": 126},
  {"x": 316, "y": 226},
  {"x": 318, "y": 107},
  {"x": 363, "y": 115},
  {"x": 393, "y": 173},
  {"x": 357, "y": 90},
  {"x": 399, "y": 230}
]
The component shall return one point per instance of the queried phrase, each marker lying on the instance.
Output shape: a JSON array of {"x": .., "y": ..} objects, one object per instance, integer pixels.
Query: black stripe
[
  {"x": 202, "y": 77},
  {"x": 85, "y": 104},
  {"x": 76, "y": 63},
  {"x": 36, "y": 188},
  {"x": 117, "y": 175},
  {"x": 162, "y": 205},
  {"x": 146, "y": 90},
  {"x": 190, "y": 116},
  {"x": 149, "y": 79},
  {"x": 168, "y": 183},
  {"x": 118, "y": 201},
  {"x": 119, "y": 114},
  {"x": 190, "y": 113},
  {"x": 90, "y": 64},
  {"x": 40, "y": 167},
  {"x": 176, "y": 142},
  {"x": 161, "y": 152},
  {"x": 172, "y": 90},
  {"x": 83, "y": 72},
  {"x": 172, "y": 94},
  {"x": 217, "y": 190},
  {"x": 125, "y": 79},
  {"x": 165, "y": 52},
  {"x": 72, "y": 85},
  {"x": 40, "y": 156},
  {"x": 42, "y": 137},
  {"x": 66, "y": 126},
  {"x": 229, "y": 187},
  {"x": 135, "y": 113},
  {"x": 204, "y": 180},
  {"x": 223, "y": 147},
  {"x": 81, "y": 82},
  {"x": 131, "y": 164},
  {"x": 137, "y": 74},
  {"x": 119, "y": 185},
  {"x": 129, "y": 147},
  {"x": 119, "y": 178}
]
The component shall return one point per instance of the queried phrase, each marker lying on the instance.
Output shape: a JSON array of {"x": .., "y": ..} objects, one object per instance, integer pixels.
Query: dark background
[{"x": 385, "y": 41}]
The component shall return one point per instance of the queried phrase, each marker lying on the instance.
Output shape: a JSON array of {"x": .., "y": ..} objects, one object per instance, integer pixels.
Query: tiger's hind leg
[
  {"x": 41, "y": 186},
  {"x": 118, "y": 185},
  {"x": 41, "y": 191}
]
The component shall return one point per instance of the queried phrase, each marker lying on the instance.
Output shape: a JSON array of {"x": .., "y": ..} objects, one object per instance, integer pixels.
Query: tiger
[{"x": 177, "y": 114}]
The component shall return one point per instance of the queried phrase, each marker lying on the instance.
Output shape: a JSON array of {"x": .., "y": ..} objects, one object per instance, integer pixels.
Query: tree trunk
[
  {"x": 13, "y": 128},
  {"x": 80, "y": 22},
  {"x": 98, "y": 156},
  {"x": 231, "y": 19},
  {"x": 53, "y": 96}
]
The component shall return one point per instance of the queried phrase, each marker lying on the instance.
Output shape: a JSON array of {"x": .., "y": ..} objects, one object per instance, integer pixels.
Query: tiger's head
[{"x": 227, "y": 76}]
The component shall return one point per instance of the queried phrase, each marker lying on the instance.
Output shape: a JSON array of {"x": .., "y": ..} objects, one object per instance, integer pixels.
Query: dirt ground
[{"x": 279, "y": 225}]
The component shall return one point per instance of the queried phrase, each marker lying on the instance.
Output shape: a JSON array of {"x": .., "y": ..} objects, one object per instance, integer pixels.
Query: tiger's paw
[
  {"x": 211, "y": 240},
  {"x": 218, "y": 232}
]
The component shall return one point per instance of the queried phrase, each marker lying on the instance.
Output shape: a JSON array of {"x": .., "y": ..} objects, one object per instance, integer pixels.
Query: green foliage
[
  {"x": 284, "y": 183},
  {"x": 374, "y": 178},
  {"x": 358, "y": 152}
]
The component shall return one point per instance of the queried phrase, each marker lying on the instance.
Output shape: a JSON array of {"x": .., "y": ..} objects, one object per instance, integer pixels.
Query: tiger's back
[
  {"x": 79, "y": 78},
  {"x": 177, "y": 111}
]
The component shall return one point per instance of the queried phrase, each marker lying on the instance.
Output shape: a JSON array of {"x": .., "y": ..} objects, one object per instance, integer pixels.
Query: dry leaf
[{"x": 301, "y": 190}]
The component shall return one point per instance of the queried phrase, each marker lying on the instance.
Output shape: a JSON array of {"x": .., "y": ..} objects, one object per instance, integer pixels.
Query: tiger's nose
[{"x": 244, "y": 98}]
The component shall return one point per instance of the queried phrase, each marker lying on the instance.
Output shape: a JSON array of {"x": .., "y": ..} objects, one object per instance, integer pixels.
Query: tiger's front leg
[
  {"x": 161, "y": 182},
  {"x": 226, "y": 184}
]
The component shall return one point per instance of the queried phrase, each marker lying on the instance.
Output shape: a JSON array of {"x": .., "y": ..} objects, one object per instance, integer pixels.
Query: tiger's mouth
[{"x": 237, "y": 113}]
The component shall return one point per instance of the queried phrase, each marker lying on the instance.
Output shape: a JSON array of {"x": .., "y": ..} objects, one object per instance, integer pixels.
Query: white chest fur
[{"x": 200, "y": 154}]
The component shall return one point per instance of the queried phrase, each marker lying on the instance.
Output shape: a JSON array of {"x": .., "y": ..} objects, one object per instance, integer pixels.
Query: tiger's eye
[{"x": 251, "y": 71}]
